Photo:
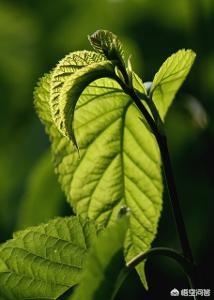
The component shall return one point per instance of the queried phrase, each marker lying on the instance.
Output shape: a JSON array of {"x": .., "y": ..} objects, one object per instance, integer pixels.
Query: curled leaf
[
  {"x": 68, "y": 80},
  {"x": 108, "y": 44}
]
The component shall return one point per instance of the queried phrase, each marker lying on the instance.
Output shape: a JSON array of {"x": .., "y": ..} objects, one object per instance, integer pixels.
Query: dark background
[{"x": 34, "y": 35}]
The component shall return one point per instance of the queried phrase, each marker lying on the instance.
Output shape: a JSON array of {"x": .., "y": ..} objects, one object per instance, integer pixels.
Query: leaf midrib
[{"x": 123, "y": 127}]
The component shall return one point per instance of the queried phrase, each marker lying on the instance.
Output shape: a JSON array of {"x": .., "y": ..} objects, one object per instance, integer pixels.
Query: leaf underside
[
  {"x": 85, "y": 68},
  {"x": 45, "y": 261},
  {"x": 119, "y": 160}
]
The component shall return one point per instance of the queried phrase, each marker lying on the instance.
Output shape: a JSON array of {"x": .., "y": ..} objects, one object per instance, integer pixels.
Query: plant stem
[
  {"x": 182, "y": 233},
  {"x": 180, "y": 225},
  {"x": 130, "y": 92},
  {"x": 181, "y": 259},
  {"x": 188, "y": 267}
]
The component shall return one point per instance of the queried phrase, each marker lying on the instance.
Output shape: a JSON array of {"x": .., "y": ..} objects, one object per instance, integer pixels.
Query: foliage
[
  {"x": 44, "y": 261},
  {"x": 91, "y": 100}
]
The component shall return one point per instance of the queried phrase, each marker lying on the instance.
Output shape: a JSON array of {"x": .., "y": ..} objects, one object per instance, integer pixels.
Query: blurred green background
[{"x": 34, "y": 35}]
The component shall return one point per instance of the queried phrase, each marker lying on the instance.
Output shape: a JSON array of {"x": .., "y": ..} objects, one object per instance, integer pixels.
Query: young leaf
[
  {"x": 108, "y": 44},
  {"x": 67, "y": 85},
  {"x": 170, "y": 77},
  {"x": 119, "y": 165},
  {"x": 45, "y": 261},
  {"x": 103, "y": 265}
]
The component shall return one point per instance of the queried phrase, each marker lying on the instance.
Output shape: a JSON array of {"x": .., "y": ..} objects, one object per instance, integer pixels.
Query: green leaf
[
  {"x": 44, "y": 262},
  {"x": 170, "y": 77},
  {"x": 66, "y": 90},
  {"x": 42, "y": 191},
  {"x": 104, "y": 265},
  {"x": 108, "y": 44},
  {"x": 120, "y": 162}
]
